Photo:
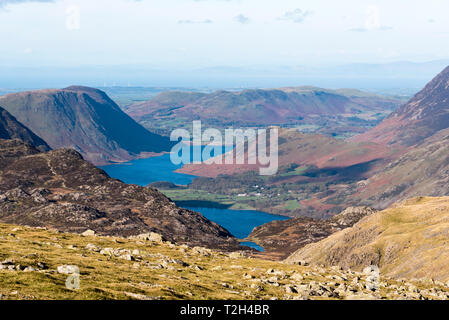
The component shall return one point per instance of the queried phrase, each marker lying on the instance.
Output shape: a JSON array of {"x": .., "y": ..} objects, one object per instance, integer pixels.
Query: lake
[{"x": 145, "y": 171}]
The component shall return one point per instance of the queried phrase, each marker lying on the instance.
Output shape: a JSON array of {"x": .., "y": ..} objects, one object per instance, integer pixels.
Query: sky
[{"x": 189, "y": 34}]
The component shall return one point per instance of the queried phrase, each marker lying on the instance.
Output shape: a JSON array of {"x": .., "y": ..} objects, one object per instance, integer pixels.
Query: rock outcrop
[
  {"x": 60, "y": 190},
  {"x": 281, "y": 238}
]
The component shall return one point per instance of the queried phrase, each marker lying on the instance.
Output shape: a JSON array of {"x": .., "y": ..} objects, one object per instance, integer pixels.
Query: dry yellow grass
[
  {"x": 157, "y": 272},
  {"x": 409, "y": 240}
]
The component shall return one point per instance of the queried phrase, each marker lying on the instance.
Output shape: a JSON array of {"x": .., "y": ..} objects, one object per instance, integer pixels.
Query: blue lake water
[
  {"x": 239, "y": 222},
  {"x": 145, "y": 171}
]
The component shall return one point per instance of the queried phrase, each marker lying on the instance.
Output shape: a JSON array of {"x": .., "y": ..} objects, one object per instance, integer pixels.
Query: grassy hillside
[
  {"x": 408, "y": 240},
  {"x": 140, "y": 269}
]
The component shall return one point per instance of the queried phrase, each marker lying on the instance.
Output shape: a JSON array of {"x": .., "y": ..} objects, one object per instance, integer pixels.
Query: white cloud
[
  {"x": 4, "y": 3},
  {"x": 296, "y": 16},
  {"x": 242, "y": 19},
  {"x": 205, "y": 21},
  {"x": 372, "y": 21}
]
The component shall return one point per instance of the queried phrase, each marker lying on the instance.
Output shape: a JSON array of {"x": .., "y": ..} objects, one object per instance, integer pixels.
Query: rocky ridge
[
  {"x": 10, "y": 128},
  {"x": 59, "y": 189}
]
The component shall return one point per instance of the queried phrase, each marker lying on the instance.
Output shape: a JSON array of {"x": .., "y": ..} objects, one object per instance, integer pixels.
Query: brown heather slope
[
  {"x": 84, "y": 119},
  {"x": 408, "y": 240},
  {"x": 10, "y": 128},
  {"x": 423, "y": 171},
  {"x": 60, "y": 190},
  {"x": 421, "y": 127}
]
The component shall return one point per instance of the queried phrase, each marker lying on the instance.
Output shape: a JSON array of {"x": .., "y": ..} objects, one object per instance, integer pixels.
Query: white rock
[
  {"x": 68, "y": 269},
  {"x": 88, "y": 233}
]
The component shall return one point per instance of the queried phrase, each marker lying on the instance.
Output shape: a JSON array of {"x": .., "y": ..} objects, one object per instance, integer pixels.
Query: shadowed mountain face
[
  {"x": 424, "y": 115},
  {"x": 86, "y": 120},
  {"x": 10, "y": 128},
  {"x": 60, "y": 190}
]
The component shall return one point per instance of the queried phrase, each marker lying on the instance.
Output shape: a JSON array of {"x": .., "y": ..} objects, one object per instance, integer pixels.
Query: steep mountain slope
[
  {"x": 10, "y": 128},
  {"x": 60, "y": 190},
  {"x": 421, "y": 129},
  {"x": 292, "y": 106},
  {"x": 424, "y": 115},
  {"x": 422, "y": 171},
  {"x": 408, "y": 240},
  {"x": 86, "y": 120}
]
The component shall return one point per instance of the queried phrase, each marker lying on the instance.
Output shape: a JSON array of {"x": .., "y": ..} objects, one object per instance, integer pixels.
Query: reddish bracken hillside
[{"x": 306, "y": 149}]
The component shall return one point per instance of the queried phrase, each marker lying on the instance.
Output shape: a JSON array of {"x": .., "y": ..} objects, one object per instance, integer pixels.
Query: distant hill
[
  {"x": 10, "y": 128},
  {"x": 86, "y": 120},
  {"x": 284, "y": 106}
]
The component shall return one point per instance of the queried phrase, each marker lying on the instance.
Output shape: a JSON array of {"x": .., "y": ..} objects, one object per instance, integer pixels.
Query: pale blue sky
[{"x": 202, "y": 33}]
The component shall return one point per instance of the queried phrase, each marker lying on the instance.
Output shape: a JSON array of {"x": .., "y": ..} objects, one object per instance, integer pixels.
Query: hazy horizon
[{"x": 222, "y": 43}]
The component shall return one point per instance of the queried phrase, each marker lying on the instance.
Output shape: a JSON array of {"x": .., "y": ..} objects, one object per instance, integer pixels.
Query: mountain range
[
  {"x": 403, "y": 156},
  {"x": 84, "y": 119},
  {"x": 332, "y": 111}
]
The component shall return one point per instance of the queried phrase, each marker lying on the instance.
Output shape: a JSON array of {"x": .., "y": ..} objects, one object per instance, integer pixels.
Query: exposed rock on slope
[
  {"x": 408, "y": 240},
  {"x": 34, "y": 264},
  {"x": 86, "y": 120},
  {"x": 10, "y": 128},
  {"x": 281, "y": 238},
  {"x": 59, "y": 189}
]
